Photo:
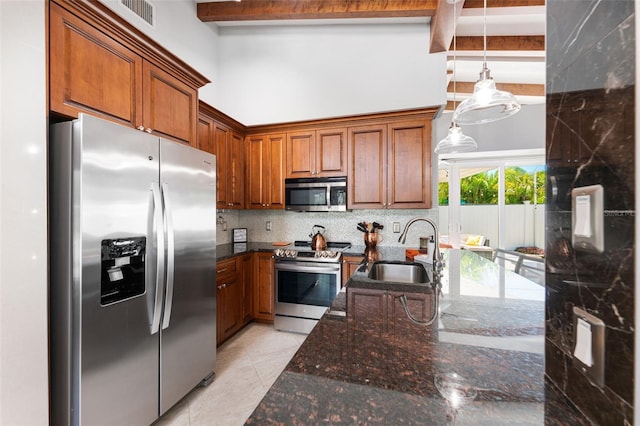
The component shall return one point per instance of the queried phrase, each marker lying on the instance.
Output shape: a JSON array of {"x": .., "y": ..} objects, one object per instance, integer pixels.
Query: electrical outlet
[
  {"x": 268, "y": 226},
  {"x": 396, "y": 227}
]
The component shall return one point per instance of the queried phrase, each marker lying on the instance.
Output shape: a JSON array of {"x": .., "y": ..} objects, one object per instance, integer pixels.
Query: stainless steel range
[{"x": 307, "y": 281}]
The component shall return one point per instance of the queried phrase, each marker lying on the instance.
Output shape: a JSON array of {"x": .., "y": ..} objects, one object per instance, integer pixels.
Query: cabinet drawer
[{"x": 226, "y": 268}]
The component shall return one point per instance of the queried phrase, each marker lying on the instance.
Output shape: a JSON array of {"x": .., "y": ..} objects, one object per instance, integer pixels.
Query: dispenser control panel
[{"x": 122, "y": 269}]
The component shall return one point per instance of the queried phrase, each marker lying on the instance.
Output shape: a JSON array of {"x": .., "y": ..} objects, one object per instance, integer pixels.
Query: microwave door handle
[
  {"x": 156, "y": 218},
  {"x": 328, "y": 196}
]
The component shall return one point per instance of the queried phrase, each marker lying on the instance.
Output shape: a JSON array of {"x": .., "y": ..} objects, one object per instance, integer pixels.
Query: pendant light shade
[
  {"x": 455, "y": 142},
  {"x": 487, "y": 103}
]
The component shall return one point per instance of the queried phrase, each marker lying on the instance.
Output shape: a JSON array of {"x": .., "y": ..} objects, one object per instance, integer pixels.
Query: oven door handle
[{"x": 301, "y": 267}]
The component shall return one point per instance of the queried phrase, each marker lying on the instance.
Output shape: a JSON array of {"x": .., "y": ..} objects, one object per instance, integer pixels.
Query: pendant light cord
[
  {"x": 454, "y": 57},
  {"x": 485, "y": 33}
]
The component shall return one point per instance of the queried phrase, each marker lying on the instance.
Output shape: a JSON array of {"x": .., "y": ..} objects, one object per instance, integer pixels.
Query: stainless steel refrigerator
[{"x": 132, "y": 284}]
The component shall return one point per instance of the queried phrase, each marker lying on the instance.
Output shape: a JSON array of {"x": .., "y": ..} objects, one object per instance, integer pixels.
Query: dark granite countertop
[
  {"x": 357, "y": 367},
  {"x": 227, "y": 251}
]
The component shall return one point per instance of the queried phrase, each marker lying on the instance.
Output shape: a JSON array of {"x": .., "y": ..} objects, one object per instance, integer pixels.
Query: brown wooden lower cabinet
[
  {"x": 349, "y": 265},
  {"x": 263, "y": 287},
  {"x": 234, "y": 295},
  {"x": 381, "y": 313},
  {"x": 247, "y": 286}
]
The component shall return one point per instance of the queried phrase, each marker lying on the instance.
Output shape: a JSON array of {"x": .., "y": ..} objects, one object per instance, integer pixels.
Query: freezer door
[
  {"x": 188, "y": 335},
  {"x": 118, "y": 354}
]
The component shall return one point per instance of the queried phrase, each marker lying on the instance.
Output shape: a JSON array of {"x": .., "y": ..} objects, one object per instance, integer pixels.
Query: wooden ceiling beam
[
  {"x": 475, "y": 4},
  {"x": 525, "y": 42},
  {"x": 260, "y": 10},
  {"x": 443, "y": 25},
  {"x": 515, "y": 88}
]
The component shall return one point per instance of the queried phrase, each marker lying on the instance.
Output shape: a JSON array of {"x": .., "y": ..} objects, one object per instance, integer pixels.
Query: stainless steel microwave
[{"x": 316, "y": 194}]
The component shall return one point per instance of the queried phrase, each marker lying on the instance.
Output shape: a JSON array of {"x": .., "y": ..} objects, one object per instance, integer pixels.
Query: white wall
[
  {"x": 274, "y": 74},
  {"x": 178, "y": 29},
  {"x": 23, "y": 214},
  {"x": 525, "y": 130}
]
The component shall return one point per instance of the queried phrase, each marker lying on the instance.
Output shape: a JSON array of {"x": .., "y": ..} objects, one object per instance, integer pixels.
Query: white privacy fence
[{"x": 523, "y": 227}]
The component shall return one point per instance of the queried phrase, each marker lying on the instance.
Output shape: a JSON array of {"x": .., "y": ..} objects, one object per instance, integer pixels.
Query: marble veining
[{"x": 591, "y": 141}]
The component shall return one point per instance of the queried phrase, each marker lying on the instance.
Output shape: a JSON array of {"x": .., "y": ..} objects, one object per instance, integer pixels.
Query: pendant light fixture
[
  {"x": 456, "y": 141},
  {"x": 487, "y": 104}
]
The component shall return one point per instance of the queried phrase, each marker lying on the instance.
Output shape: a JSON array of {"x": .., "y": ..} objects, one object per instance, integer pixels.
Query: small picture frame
[{"x": 239, "y": 235}]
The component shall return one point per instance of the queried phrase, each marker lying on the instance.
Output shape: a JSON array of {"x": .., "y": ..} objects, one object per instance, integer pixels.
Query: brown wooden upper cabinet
[
  {"x": 92, "y": 71},
  {"x": 389, "y": 165},
  {"x": 265, "y": 171},
  {"x": 228, "y": 147},
  {"x": 317, "y": 153}
]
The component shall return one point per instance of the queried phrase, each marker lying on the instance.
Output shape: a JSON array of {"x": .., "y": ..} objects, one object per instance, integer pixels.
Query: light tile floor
[{"x": 246, "y": 367}]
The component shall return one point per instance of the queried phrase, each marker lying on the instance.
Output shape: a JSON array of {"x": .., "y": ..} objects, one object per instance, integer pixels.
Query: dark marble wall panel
[
  {"x": 591, "y": 140},
  {"x": 578, "y": 26}
]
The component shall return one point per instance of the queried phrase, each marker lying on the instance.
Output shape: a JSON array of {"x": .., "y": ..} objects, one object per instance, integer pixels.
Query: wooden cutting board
[{"x": 280, "y": 243}]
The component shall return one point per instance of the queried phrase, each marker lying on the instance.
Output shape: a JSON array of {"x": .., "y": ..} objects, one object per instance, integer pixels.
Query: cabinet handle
[
  {"x": 141, "y": 128},
  {"x": 148, "y": 130},
  {"x": 222, "y": 270}
]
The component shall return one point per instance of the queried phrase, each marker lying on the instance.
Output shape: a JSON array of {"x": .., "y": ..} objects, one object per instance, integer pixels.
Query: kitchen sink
[{"x": 399, "y": 272}]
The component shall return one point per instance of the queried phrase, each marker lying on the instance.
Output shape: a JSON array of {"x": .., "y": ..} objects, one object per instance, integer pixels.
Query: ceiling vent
[{"x": 142, "y": 8}]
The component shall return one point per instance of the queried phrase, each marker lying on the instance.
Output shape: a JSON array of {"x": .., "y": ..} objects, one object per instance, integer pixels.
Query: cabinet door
[
  {"x": 366, "y": 170},
  {"x": 263, "y": 287},
  {"x": 206, "y": 127},
  {"x": 420, "y": 307},
  {"x": 349, "y": 266},
  {"x": 230, "y": 315},
  {"x": 247, "y": 285},
  {"x": 221, "y": 136},
  {"x": 90, "y": 72},
  {"x": 409, "y": 165},
  {"x": 275, "y": 171},
  {"x": 301, "y": 154},
  {"x": 170, "y": 106},
  {"x": 236, "y": 172},
  {"x": 366, "y": 313},
  {"x": 255, "y": 197},
  {"x": 331, "y": 152}
]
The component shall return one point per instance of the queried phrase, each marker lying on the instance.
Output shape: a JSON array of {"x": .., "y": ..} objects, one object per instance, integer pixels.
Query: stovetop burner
[
  {"x": 330, "y": 244},
  {"x": 332, "y": 254}
]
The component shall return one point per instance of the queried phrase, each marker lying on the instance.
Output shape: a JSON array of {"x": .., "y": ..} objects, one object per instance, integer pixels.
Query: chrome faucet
[
  {"x": 437, "y": 255},
  {"x": 437, "y": 268}
]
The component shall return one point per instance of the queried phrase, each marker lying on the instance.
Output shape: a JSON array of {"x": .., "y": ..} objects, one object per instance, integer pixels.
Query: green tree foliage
[{"x": 482, "y": 188}]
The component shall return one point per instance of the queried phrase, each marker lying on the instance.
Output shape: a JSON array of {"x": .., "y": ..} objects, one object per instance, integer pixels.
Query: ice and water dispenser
[{"x": 122, "y": 269}]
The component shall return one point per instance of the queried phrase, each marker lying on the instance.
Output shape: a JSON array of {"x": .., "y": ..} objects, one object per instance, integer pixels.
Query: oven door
[{"x": 305, "y": 289}]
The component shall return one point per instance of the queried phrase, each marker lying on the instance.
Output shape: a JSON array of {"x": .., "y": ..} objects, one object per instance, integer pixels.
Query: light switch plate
[
  {"x": 595, "y": 371},
  {"x": 587, "y": 218}
]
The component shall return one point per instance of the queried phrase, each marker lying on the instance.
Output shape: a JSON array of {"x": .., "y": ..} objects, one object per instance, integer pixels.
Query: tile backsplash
[{"x": 291, "y": 226}]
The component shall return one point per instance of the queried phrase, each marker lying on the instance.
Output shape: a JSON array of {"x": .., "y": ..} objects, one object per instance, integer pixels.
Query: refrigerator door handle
[
  {"x": 159, "y": 234},
  {"x": 170, "y": 255}
]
